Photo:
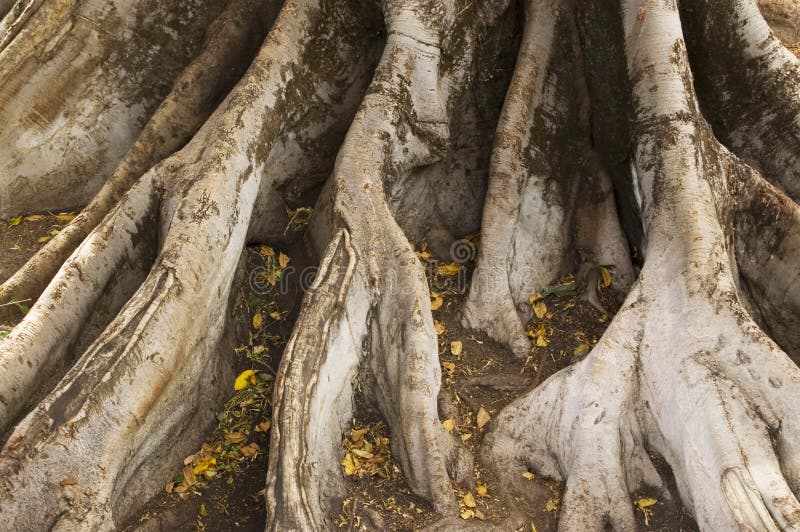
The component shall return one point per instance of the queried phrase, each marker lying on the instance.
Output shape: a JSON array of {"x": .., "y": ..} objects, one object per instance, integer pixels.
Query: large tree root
[
  {"x": 682, "y": 370},
  {"x": 602, "y": 156},
  {"x": 195, "y": 94},
  {"x": 154, "y": 375},
  {"x": 83, "y": 79},
  {"x": 548, "y": 194}
]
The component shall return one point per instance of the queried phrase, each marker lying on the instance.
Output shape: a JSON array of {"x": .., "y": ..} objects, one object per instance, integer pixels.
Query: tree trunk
[{"x": 662, "y": 138}]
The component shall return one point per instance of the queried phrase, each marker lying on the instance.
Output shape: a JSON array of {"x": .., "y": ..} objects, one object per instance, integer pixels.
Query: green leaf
[
  {"x": 15, "y": 221},
  {"x": 562, "y": 290}
]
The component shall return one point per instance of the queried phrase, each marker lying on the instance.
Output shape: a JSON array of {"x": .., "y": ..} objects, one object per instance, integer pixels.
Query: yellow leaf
[
  {"x": 541, "y": 341},
  {"x": 456, "y": 348},
  {"x": 263, "y": 426},
  {"x": 469, "y": 500},
  {"x": 482, "y": 491},
  {"x": 479, "y": 515},
  {"x": 15, "y": 221},
  {"x": 203, "y": 511},
  {"x": 204, "y": 465},
  {"x": 258, "y": 320},
  {"x": 266, "y": 251},
  {"x": 439, "y": 326},
  {"x": 66, "y": 216},
  {"x": 551, "y": 505},
  {"x": 528, "y": 475},
  {"x": 540, "y": 309},
  {"x": 581, "y": 349},
  {"x": 467, "y": 514},
  {"x": 275, "y": 315},
  {"x": 448, "y": 269},
  {"x": 43, "y": 239},
  {"x": 645, "y": 502},
  {"x": 33, "y": 218},
  {"x": 605, "y": 275},
  {"x": 534, "y": 298},
  {"x": 283, "y": 260},
  {"x": 449, "y": 367},
  {"x": 436, "y": 301},
  {"x": 243, "y": 379},
  {"x": 483, "y": 418},
  {"x": 348, "y": 465},
  {"x": 465, "y": 437},
  {"x": 449, "y": 424}
]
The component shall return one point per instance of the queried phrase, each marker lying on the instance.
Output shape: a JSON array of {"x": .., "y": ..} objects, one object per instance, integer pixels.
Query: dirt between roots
[{"x": 480, "y": 377}]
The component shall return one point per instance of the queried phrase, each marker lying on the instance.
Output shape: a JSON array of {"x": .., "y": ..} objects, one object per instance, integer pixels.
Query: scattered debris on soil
[
  {"x": 480, "y": 377},
  {"x": 20, "y": 238}
]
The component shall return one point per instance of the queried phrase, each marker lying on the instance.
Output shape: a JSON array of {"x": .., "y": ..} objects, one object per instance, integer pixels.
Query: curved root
[{"x": 194, "y": 95}]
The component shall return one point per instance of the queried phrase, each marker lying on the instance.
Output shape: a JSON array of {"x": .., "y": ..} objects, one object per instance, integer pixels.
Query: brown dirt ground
[{"x": 483, "y": 376}]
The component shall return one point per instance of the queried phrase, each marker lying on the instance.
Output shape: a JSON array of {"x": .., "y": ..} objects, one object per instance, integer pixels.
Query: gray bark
[{"x": 657, "y": 137}]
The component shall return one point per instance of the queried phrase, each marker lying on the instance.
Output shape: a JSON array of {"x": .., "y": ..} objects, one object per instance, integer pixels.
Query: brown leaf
[{"x": 68, "y": 481}]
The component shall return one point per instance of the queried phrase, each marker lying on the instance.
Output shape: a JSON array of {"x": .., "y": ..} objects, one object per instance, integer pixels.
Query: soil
[{"x": 482, "y": 376}]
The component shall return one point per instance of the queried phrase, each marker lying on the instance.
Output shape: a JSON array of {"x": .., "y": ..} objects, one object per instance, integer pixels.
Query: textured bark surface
[{"x": 657, "y": 139}]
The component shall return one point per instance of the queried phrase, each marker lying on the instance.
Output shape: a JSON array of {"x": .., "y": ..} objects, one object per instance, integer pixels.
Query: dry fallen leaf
[
  {"x": 540, "y": 309},
  {"x": 68, "y": 481},
  {"x": 581, "y": 349},
  {"x": 448, "y": 269},
  {"x": 482, "y": 491},
  {"x": 467, "y": 514},
  {"x": 456, "y": 348},
  {"x": 645, "y": 502},
  {"x": 449, "y": 367},
  {"x": 469, "y": 500},
  {"x": 235, "y": 437},
  {"x": 483, "y": 418},
  {"x": 357, "y": 434},
  {"x": 439, "y": 326},
  {"x": 249, "y": 450},
  {"x": 449, "y": 424},
  {"x": 605, "y": 275},
  {"x": 529, "y": 475},
  {"x": 348, "y": 465},
  {"x": 244, "y": 379},
  {"x": 283, "y": 260},
  {"x": 258, "y": 320}
]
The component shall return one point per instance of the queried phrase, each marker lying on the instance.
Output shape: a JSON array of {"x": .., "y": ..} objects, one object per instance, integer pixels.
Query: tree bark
[{"x": 660, "y": 138}]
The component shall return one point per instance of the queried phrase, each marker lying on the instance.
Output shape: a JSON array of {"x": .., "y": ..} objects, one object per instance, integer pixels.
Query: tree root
[
  {"x": 72, "y": 122},
  {"x": 195, "y": 94},
  {"x": 751, "y": 90},
  {"x": 540, "y": 164},
  {"x": 116, "y": 370},
  {"x": 154, "y": 373},
  {"x": 682, "y": 370}
]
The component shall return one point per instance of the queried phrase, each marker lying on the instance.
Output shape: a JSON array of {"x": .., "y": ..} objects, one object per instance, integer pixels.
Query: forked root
[
  {"x": 682, "y": 370},
  {"x": 158, "y": 372},
  {"x": 548, "y": 193}
]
